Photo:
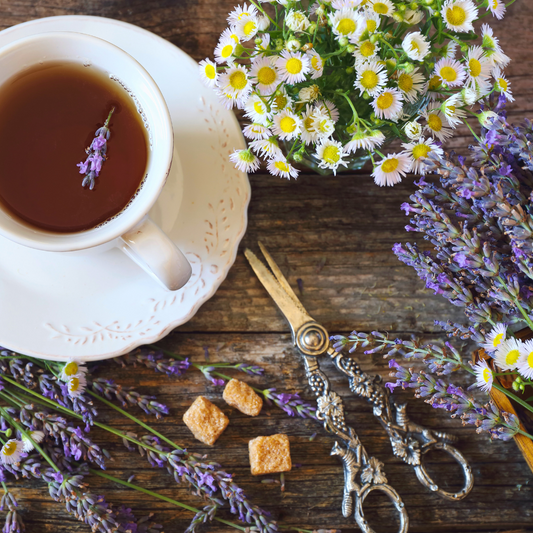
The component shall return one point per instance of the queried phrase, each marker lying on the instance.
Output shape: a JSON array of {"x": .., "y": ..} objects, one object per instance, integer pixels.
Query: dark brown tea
[{"x": 48, "y": 117}]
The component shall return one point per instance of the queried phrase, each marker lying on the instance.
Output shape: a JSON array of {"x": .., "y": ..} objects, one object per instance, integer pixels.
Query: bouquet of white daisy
[{"x": 327, "y": 84}]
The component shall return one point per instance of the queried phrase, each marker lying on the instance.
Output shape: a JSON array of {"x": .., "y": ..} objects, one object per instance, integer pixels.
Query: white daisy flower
[
  {"x": 316, "y": 63},
  {"x": 309, "y": 94},
  {"x": 224, "y": 50},
  {"x": 381, "y": 7},
  {"x": 415, "y": 46},
  {"x": 322, "y": 124},
  {"x": 76, "y": 386},
  {"x": 413, "y": 17},
  {"x": 388, "y": 105},
  {"x": 296, "y": 20},
  {"x": 256, "y": 131},
  {"x": 391, "y": 169},
  {"x": 371, "y": 77},
  {"x": 308, "y": 133},
  {"x": 280, "y": 167},
  {"x": 257, "y": 110},
  {"x": 371, "y": 21},
  {"x": 478, "y": 69},
  {"x": 281, "y": 100},
  {"x": 492, "y": 47},
  {"x": 458, "y": 15},
  {"x": 411, "y": 84},
  {"x": 469, "y": 96},
  {"x": 11, "y": 452},
  {"x": 266, "y": 147},
  {"x": 346, "y": 23},
  {"x": 366, "y": 50},
  {"x": 508, "y": 353},
  {"x": 327, "y": 107},
  {"x": 452, "y": 110},
  {"x": 228, "y": 99},
  {"x": 234, "y": 80},
  {"x": 244, "y": 160},
  {"x": 229, "y": 33},
  {"x": 502, "y": 84},
  {"x": 293, "y": 66},
  {"x": 208, "y": 72},
  {"x": 262, "y": 42},
  {"x": 525, "y": 363},
  {"x": 247, "y": 27},
  {"x": 265, "y": 74},
  {"x": 484, "y": 376},
  {"x": 71, "y": 369},
  {"x": 240, "y": 13},
  {"x": 437, "y": 124},
  {"x": 413, "y": 130},
  {"x": 496, "y": 337},
  {"x": 342, "y": 4},
  {"x": 497, "y": 8},
  {"x": 419, "y": 150},
  {"x": 287, "y": 125},
  {"x": 330, "y": 154},
  {"x": 27, "y": 444},
  {"x": 450, "y": 71},
  {"x": 448, "y": 50},
  {"x": 365, "y": 140},
  {"x": 432, "y": 87}
]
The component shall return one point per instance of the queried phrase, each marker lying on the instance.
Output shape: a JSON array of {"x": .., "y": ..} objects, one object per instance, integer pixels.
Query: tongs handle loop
[
  {"x": 425, "y": 479},
  {"x": 393, "y": 496}
]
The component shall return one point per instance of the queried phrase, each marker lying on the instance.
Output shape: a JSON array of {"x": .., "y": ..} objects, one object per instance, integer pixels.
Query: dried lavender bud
[
  {"x": 292, "y": 404},
  {"x": 156, "y": 361}
]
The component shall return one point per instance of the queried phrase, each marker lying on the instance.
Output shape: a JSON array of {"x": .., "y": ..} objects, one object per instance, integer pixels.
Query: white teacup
[{"x": 131, "y": 230}]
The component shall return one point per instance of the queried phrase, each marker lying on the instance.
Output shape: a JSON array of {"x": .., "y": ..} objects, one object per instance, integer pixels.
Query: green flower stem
[
  {"x": 260, "y": 8},
  {"x": 518, "y": 400},
  {"x": 355, "y": 115},
  {"x": 472, "y": 131},
  {"x": 384, "y": 41},
  {"x": 519, "y": 306},
  {"x": 161, "y": 497},
  {"x": 17, "y": 426}
]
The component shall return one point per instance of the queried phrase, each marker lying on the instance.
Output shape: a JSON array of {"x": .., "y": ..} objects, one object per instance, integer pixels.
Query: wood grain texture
[{"x": 353, "y": 224}]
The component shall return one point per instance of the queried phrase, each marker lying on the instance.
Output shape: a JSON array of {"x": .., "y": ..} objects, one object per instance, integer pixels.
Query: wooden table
[{"x": 353, "y": 225}]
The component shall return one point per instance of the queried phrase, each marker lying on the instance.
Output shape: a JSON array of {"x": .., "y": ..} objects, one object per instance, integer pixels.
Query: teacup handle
[{"x": 153, "y": 251}]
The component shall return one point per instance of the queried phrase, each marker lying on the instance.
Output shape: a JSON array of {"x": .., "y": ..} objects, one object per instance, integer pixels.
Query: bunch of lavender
[{"x": 478, "y": 220}]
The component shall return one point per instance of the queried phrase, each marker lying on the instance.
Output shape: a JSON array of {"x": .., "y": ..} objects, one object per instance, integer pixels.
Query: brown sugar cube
[
  {"x": 206, "y": 421},
  {"x": 270, "y": 455},
  {"x": 240, "y": 395}
]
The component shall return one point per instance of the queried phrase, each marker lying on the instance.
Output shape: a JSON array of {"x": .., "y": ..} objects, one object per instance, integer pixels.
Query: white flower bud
[
  {"x": 262, "y": 23},
  {"x": 309, "y": 94},
  {"x": 292, "y": 45},
  {"x": 469, "y": 96},
  {"x": 413, "y": 130},
  {"x": 485, "y": 118}
]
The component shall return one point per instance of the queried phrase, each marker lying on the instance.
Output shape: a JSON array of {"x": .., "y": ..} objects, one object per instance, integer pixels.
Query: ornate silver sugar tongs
[
  {"x": 409, "y": 441},
  {"x": 312, "y": 341}
]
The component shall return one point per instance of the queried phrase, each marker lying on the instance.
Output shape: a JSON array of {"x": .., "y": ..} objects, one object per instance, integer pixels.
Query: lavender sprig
[
  {"x": 13, "y": 522},
  {"x": 291, "y": 403},
  {"x": 97, "y": 151}
]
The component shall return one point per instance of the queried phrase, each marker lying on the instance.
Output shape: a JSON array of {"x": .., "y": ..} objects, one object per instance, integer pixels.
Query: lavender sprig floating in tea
[{"x": 96, "y": 154}]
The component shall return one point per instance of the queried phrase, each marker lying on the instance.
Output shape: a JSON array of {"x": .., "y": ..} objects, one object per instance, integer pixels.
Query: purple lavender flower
[
  {"x": 92, "y": 166},
  {"x": 292, "y": 404}
]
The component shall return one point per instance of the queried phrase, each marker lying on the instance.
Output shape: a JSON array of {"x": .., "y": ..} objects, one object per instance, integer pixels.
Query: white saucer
[{"x": 102, "y": 305}]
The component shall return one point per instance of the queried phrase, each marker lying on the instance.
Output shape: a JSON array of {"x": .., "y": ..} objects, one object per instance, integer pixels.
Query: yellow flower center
[
  {"x": 434, "y": 122},
  {"x": 381, "y": 8},
  {"x": 238, "y": 80},
  {"x": 9, "y": 448},
  {"x": 448, "y": 74},
  {"x": 280, "y": 165},
  {"x": 390, "y": 165},
  {"x": 287, "y": 124},
  {"x": 294, "y": 65},
  {"x": 226, "y": 51},
  {"x": 503, "y": 84},
  {"x": 281, "y": 101},
  {"x": 266, "y": 75},
  {"x": 73, "y": 384},
  {"x": 530, "y": 360},
  {"x": 475, "y": 67},
  {"x": 497, "y": 340},
  {"x": 323, "y": 126},
  {"x": 421, "y": 150},
  {"x": 434, "y": 83},
  {"x": 367, "y": 49},
  {"x": 316, "y": 63},
  {"x": 210, "y": 71},
  {"x": 346, "y": 26},
  {"x": 371, "y": 25},
  {"x": 331, "y": 155},
  {"x": 494, "y": 4},
  {"x": 405, "y": 82},
  {"x": 71, "y": 369},
  {"x": 258, "y": 108},
  {"x": 512, "y": 357},
  {"x": 415, "y": 47},
  {"x": 385, "y": 100},
  {"x": 450, "y": 110},
  {"x": 249, "y": 28},
  {"x": 243, "y": 14},
  {"x": 455, "y": 15},
  {"x": 308, "y": 124},
  {"x": 235, "y": 37},
  {"x": 369, "y": 79},
  {"x": 487, "y": 375}
]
